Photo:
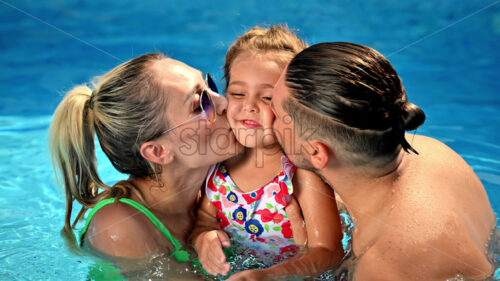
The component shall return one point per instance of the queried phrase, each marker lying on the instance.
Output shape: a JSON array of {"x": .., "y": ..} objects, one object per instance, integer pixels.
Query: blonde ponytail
[
  {"x": 126, "y": 109},
  {"x": 73, "y": 152}
]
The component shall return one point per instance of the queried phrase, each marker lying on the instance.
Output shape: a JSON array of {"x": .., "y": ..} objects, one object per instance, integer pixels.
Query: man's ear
[
  {"x": 320, "y": 154},
  {"x": 157, "y": 153}
]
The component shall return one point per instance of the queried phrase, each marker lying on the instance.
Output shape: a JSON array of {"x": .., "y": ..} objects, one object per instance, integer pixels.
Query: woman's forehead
[{"x": 178, "y": 77}]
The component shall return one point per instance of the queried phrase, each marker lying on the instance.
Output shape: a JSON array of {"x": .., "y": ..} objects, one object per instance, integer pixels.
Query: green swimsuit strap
[{"x": 179, "y": 254}]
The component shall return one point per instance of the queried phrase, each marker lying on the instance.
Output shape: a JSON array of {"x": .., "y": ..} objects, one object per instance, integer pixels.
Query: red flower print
[
  {"x": 217, "y": 204},
  {"x": 283, "y": 197},
  {"x": 272, "y": 189},
  {"x": 265, "y": 215},
  {"x": 278, "y": 218},
  {"x": 288, "y": 249},
  {"x": 286, "y": 230},
  {"x": 254, "y": 237},
  {"x": 223, "y": 189},
  {"x": 211, "y": 183},
  {"x": 223, "y": 221},
  {"x": 253, "y": 196}
]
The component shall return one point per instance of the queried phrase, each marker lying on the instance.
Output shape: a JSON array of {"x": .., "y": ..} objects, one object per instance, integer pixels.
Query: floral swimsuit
[{"x": 256, "y": 219}]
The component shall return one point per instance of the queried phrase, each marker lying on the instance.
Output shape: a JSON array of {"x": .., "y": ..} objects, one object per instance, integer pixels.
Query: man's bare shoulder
[
  {"x": 438, "y": 222},
  {"x": 431, "y": 149},
  {"x": 121, "y": 230},
  {"x": 441, "y": 181}
]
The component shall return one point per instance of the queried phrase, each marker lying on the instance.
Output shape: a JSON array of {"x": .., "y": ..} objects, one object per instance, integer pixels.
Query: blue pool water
[{"x": 447, "y": 53}]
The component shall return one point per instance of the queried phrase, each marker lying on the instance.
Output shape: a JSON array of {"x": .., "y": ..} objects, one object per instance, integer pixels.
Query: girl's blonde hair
[
  {"x": 278, "y": 40},
  {"x": 126, "y": 108}
]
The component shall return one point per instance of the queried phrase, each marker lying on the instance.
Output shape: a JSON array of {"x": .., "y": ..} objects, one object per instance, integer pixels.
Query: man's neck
[{"x": 365, "y": 193}]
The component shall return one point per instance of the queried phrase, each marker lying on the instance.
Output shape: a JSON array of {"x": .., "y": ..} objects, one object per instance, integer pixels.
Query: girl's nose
[{"x": 250, "y": 106}]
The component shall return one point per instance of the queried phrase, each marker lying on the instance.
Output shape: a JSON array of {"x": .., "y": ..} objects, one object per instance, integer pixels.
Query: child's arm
[
  {"x": 324, "y": 234},
  {"x": 208, "y": 239}
]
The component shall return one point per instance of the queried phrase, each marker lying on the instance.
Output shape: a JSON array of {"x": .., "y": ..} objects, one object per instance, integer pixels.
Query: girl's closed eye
[
  {"x": 266, "y": 95},
  {"x": 237, "y": 94}
]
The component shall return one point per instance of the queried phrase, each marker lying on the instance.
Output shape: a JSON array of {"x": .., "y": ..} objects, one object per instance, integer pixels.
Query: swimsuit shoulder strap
[
  {"x": 97, "y": 207},
  {"x": 154, "y": 220},
  {"x": 179, "y": 254}
]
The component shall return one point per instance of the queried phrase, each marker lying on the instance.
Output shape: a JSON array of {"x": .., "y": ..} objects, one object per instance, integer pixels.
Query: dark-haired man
[{"x": 420, "y": 211}]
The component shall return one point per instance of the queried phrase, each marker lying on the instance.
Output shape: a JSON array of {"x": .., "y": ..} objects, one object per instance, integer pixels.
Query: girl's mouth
[{"x": 250, "y": 124}]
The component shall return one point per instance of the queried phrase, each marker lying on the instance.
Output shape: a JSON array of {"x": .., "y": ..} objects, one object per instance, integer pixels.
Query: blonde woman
[{"x": 159, "y": 121}]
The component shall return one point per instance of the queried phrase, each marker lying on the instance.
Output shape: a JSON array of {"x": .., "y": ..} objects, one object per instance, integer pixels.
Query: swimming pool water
[{"x": 445, "y": 51}]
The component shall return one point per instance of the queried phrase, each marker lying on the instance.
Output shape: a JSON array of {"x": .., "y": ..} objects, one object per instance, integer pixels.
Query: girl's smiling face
[{"x": 249, "y": 93}]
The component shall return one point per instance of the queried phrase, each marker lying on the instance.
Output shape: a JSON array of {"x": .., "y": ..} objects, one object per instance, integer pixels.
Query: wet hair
[
  {"x": 278, "y": 40},
  {"x": 125, "y": 109},
  {"x": 354, "y": 99}
]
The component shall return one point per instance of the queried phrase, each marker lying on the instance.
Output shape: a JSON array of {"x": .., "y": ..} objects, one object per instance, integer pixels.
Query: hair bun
[{"x": 413, "y": 116}]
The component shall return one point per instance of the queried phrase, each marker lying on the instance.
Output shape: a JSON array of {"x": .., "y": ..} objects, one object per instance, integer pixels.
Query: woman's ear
[
  {"x": 157, "y": 153},
  {"x": 320, "y": 155}
]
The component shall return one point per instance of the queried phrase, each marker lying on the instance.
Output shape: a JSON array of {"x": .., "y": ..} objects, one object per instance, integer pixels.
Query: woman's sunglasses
[{"x": 206, "y": 104}]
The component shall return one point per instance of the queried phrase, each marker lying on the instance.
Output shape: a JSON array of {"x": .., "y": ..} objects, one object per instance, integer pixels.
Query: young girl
[{"x": 259, "y": 198}]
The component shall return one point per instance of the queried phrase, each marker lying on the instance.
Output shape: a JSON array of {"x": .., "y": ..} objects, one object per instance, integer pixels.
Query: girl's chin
[{"x": 260, "y": 144}]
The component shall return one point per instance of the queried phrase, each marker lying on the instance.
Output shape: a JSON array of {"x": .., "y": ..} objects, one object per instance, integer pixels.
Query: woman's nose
[{"x": 220, "y": 103}]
